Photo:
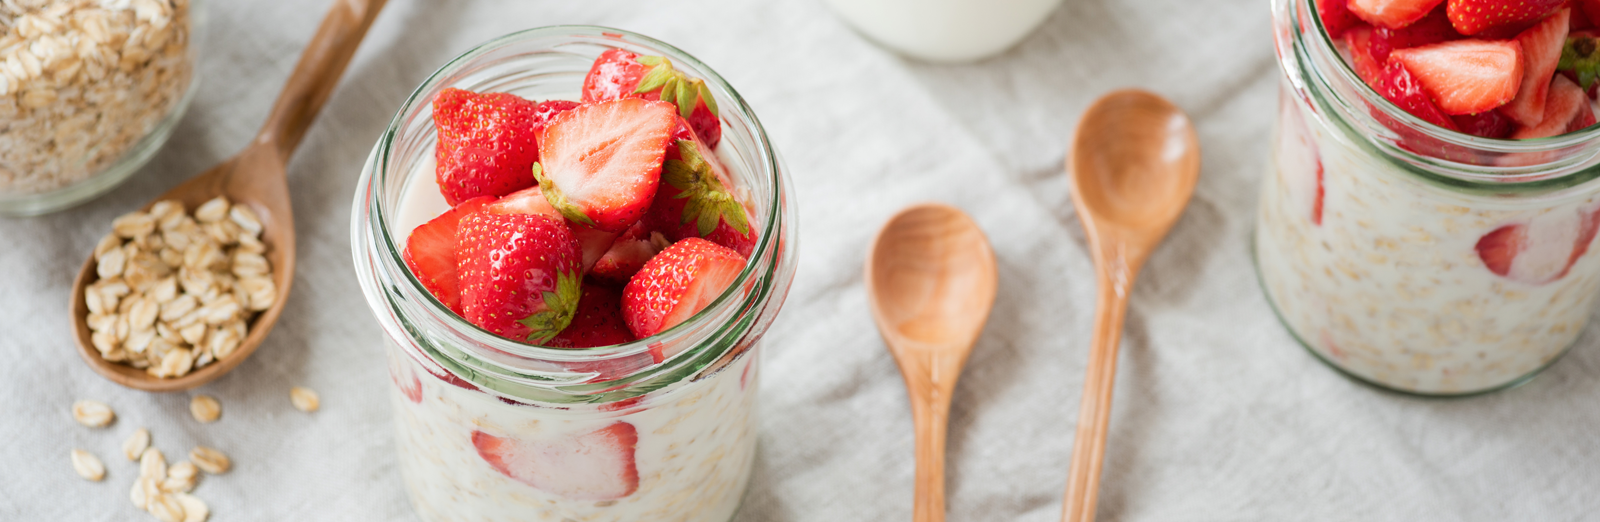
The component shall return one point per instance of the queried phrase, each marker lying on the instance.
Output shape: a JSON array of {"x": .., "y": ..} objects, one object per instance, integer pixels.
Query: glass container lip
[
  {"x": 1499, "y": 176},
  {"x": 766, "y": 243}
]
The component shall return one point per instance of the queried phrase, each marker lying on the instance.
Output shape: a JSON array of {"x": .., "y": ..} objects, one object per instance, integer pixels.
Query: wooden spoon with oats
[{"x": 254, "y": 179}]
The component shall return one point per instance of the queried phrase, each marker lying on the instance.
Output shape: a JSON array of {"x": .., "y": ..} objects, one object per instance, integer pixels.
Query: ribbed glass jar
[
  {"x": 490, "y": 429},
  {"x": 1412, "y": 257},
  {"x": 89, "y": 91}
]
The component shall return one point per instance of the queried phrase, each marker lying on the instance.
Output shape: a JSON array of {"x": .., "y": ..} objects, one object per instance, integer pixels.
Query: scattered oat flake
[
  {"x": 165, "y": 508},
  {"x": 205, "y": 409},
  {"x": 304, "y": 399},
  {"x": 194, "y": 509},
  {"x": 88, "y": 465},
  {"x": 152, "y": 464},
  {"x": 139, "y": 441},
  {"x": 210, "y": 460},
  {"x": 94, "y": 414}
]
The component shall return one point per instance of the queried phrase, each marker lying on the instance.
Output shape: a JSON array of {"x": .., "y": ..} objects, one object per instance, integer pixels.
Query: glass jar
[
  {"x": 660, "y": 429},
  {"x": 1412, "y": 257},
  {"x": 89, "y": 91}
]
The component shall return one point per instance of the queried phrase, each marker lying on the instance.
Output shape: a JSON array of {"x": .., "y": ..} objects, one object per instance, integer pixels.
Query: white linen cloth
[{"x": 1218, "y": 416}]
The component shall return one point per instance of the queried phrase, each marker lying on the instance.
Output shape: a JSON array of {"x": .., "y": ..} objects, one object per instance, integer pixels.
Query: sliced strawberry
[
  {"x": 1392, "y": 14},
  {"x": 598, "y": 321},
  {"x": 519, "y": 275},
  {"x": 405, "y": 381},
  {"x": 531, "y": 200},
  {"x": 695, "y": 200},
  {"x": 1301, "y": 163},
  {"x": 1475, "y": 16},
  {"x": 1565, "y": 101},
  {"x": 1583, "y": 119},
  {"x": 1541, "y": 250},
  {"x": 628, "y": 254},
  {"x": 618, "y": 74},
  {"x": 548, "y": 109},
  {"x": 1487, "y": 124},
  {"x": 486, "y": 143},
  {"x": 1400, "y": 87},
  {"x": 677, "y": 283},
  {"x": 431, "y": 252},
  {"x": 1541, "y": 51},
  {"x": 602, "y": 163},
  {"x": 1465, "y": 76},
  {"x": 1366, "y": 55},
  {"x": 598, "y": 465},
  {"x": 1336, "y": 16}
]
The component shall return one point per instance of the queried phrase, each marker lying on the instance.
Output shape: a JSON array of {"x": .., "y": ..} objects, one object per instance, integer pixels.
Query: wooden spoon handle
[
  {"x": 931, "y": 414},
  {"x": 1094, "y": 415},
  {"x": 317, "y": 73}
]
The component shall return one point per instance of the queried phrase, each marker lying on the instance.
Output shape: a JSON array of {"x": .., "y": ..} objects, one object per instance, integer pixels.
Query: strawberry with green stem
[
  {"x": 695, "y": 199},
  {"x": 600, "y": 164},
  {"x": 619, "y": 73},
  {"x": 519, "y": 275}
]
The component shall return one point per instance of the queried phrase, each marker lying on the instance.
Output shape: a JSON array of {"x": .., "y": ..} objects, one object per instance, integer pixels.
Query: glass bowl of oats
[{"x": 89, "y": 91}]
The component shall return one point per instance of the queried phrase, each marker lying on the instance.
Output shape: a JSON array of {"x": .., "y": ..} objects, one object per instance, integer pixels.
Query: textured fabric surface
[{"x": 1218, "y": 414}]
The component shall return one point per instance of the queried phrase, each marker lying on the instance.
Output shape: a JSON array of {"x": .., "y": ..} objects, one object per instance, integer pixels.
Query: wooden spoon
[
  {"x": 254, "y": 178},
  {"x": 1133, "y": 167},
  {"x": 931, "y": 279}
]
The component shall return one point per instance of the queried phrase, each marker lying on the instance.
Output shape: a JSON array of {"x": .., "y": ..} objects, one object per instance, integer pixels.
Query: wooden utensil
[
  {"x": 931, "y": 280},
  {"x": 1133, "y": 167},
  {"x": 254, "y": 178}
]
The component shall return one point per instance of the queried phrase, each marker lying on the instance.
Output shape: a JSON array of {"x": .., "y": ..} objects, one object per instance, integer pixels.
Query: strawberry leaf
[
  {"x": 711, "y": 101},
  {"x": 1581, "y": 57},
  {"x": 687, "y": 97},
  {"x": 707, "y": 200},
  {"x": 559, "y": 308}
]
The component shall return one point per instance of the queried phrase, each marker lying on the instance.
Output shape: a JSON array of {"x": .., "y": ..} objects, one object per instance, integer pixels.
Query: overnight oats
[
  {"x": 1428, "y": 220},
  {"x": 574, "y": 238}
]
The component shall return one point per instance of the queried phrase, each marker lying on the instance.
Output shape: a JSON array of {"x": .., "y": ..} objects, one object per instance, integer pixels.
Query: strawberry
[
  {"x": 598, "y": 321},
  {"x": 1541, "y": 52},
  {"x": 694, "y": 200},
  {"x": 431, "y": 252},
  {"x": 1541, "y": 250},
  {"x": 1583, "y": 119},
  {"x": 1431, "y": 29},
  {"x": 601, "y": 163},
  {"x": 1565, "y": 102},
  {"x": 1400, "y": 87},
  {"x": 531, "y": 200},
  {"x": 1475, "y": 16},
  {"x": 1336, "y": 16},
  {"x": 1465, "y": 76},
  {"x": 1392, "y": 14},
  {"x": 519, "y": 275},
  {"x": 548, "y": 109},
  {"x": 486, "y": 143},
  {"x": 677, "y": 283},
  {"x": 618, "y": 74},
  {"x": 1581, "y": 19},
  {"x": 405, "y": 381},
  {"x": 1367, "y": 55},
  {"x": 1487, "y": 124},
  {"x": 1580, "y": 59},
  {"x": 1302, "y": 174},
  {"x": 628, "y": 254},
  {"x": 598, "y": 465}
]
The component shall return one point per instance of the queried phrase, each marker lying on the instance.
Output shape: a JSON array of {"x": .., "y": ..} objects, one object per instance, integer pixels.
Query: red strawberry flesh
[
  {"x": 597, "y": 466},
  {"x": 1564, "y": 102},
  {"x": 628, "y": 254},
  {"x": 592, "y": 242},
  {"x": 431, "y": 252},
  {"x": 519, "y": 275},
  {"x": 1336, "y": 16},
  {"x": 601, "y": 163},
  {"x": 1471, "y": 17},
  {"x": 486, "y": 144},
  {"x": 618, "y": 74},
  {"x": 1541, "y": 52},
  {"x": 1392, "y": 14},
  {"x": 1465, "y": 76},
  {"x": 598, "y": 321},
  {"x": 1401, "y": 88},
  {"x": 678, "y": 283},
  {"x": 1490, "y": 124}
]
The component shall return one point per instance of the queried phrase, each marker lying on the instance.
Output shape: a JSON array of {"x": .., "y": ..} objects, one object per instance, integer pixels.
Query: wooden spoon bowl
[{"x": 255, "y": 178}]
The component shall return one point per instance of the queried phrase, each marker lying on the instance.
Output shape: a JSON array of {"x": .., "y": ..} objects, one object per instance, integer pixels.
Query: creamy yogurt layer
[{"x": 1412, "y": 285}]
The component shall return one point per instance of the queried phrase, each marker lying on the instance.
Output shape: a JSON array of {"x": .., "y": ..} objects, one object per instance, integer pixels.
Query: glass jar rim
[
  {"x": 727, "y": 307},
  {"x": 1289, "y": 19}
]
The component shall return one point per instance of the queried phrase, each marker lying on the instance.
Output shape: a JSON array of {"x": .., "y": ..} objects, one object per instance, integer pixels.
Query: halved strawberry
[
  {"x": 1487, "y": 124},
  {"x": 1367, "y": 56},
  {"x": 1392, "y": 14},
  {"x": 598, "y": 465},
  {"x": 486, "y": 143},
  {"x": 1565, "y": 101},
  {"x": 531, "y": 200},
  {"x": 677, "y": 283},
  {"x": 519, "y": 275},
  {"x": 618, "y": 74},
  {"x": 1541, "y": 51},
  {"x": 1475, "y": 16},
  {"x": 1400, "y": 87},
  {"x": 1465, "y": 76},
  {"x": 1541, "y": 250},
  {"x": 598, "y": 321},
  {"x": 628, "y": 254},
  {"x": 431, "y": 252},
  {"x": 1336, "y": 16},
  {"x": 601, "y": 163},
  {"x": 695, "y": 199}
]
